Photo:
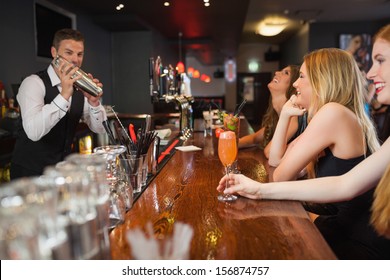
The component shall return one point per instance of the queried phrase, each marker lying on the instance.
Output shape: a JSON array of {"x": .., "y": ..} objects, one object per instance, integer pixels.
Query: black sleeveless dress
[
  {"x": 329, "y": 165},
  {"x": 348, "y": 230}
]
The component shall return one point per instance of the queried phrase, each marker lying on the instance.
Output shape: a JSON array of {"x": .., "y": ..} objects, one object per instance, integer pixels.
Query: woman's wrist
[
  {"x": 260, "y": 192},
  {"x": 285, "y": 115}
]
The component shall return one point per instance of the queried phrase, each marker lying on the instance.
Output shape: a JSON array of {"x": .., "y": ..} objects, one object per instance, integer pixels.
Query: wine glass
[{"x": 227, "y": 152}]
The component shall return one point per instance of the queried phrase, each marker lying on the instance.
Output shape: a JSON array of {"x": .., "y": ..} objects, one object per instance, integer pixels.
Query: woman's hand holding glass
[{"x": 241, "y": 185}]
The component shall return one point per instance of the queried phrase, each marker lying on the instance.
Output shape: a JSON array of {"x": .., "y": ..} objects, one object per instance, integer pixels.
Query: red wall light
[
  {"x": 196, "y": 74},
  {"x": 180, "y": 67},
  {"x": 190, "y": 71}
]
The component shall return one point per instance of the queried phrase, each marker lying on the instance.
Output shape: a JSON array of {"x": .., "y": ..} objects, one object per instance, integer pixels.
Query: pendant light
[{"x": 180, "y": 65}]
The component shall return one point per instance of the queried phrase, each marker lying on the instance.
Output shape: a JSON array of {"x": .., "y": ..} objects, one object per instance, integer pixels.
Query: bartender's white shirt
[{"x": 39, "y": 118}]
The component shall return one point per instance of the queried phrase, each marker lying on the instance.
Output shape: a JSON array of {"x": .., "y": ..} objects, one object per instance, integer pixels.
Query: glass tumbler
[
  {"x": 94, "y": 166},
  {"x": 28, "y": 206},
  {"x": 117, "y": 201},
  {"x": 76, "y": 207},
  {"x": 124, "y": 183},
  {"x": 232, "y": 123},
  {"x": 136, "y": 164}
]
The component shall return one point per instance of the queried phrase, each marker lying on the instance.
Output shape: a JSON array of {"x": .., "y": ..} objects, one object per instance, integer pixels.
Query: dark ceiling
[{"x": 213, "y": 33}]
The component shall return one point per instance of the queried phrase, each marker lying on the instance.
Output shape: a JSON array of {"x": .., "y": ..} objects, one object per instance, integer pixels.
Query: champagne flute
[{"x": 227, "y": 152}]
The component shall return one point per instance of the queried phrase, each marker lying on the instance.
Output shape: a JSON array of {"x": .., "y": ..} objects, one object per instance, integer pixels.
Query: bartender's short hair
[{"x": 67, "y": 34}]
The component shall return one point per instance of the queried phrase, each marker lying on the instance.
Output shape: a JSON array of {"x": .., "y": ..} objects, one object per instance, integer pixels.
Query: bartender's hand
[
  {"x": 65, "y": 71},
  {"x": 241, "y": 185},
  {"x": 94, "y": 101}
]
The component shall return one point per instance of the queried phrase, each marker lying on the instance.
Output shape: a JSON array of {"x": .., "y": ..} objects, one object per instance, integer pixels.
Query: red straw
[
  {"x": 132, "y": 133},
  {"x": 167, "y": 151}
]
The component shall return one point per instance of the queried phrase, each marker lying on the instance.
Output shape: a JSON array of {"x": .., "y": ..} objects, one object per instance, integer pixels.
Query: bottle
[{"x": 4, "y": 103}]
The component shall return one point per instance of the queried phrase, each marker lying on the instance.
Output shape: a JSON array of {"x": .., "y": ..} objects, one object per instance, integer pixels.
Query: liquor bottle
[{"x": 3, "y": 103}]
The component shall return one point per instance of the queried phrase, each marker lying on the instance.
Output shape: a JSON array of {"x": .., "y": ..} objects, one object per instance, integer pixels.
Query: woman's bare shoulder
[{"x": 334, "y": 111}]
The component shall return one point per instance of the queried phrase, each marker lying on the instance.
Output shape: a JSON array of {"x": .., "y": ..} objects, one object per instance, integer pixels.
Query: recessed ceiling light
[
  {"x": 120, "y": 7},
  {"x": 207, "y": 4},
  {"x": 167, "y": 4}
]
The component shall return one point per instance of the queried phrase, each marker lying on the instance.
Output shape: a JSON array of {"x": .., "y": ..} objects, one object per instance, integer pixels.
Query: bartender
[{"x": 51, "y": 108}]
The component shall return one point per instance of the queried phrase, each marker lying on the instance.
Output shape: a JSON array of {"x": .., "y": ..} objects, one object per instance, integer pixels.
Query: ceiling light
[
  {"x": 120, "y": 7},
  {"x": 253, "y": 66},
  {"x": 167, "y": 4},
  {"x": 272, "y": 26}
]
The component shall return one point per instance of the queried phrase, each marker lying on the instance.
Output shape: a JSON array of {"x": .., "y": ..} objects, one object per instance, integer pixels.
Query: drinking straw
[
  {"x": 120, "y": 123},
  {"x": 237, "y": 112},
  {"x": 132, "y": 133},
  {"x": 109, "y": 132}
]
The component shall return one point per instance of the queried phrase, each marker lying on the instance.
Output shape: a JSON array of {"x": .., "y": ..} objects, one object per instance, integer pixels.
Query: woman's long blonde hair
[
  {"x": 335, "y": 77},
  {"x": 271, "y": 117}
]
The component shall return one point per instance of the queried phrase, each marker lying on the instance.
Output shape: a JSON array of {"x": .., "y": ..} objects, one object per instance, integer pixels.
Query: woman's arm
[
  {"x": 360, "y": 179},
  {"x": 332, "y": 126},
  {"x": 292, "y": 129},
  {"x": 285, "y": 129},
  {"x": 251, "y": 139}
]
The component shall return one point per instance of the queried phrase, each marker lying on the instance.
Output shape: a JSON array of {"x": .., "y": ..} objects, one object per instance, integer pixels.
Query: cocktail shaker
[{"x": 85, "y": 83}]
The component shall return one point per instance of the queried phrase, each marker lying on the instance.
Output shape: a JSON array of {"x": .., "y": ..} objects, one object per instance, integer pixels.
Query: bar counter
[{"x": 185, "y": 191}]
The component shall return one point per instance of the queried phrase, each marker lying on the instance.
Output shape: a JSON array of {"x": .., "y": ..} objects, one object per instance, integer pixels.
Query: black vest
[{"x": 55, "y": 145}]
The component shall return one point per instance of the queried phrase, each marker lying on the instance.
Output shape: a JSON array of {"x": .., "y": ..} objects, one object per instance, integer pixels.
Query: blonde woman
[
  {"x": 331, "y": 89},
  {"x": 281, "y": 89},
  {"x": 350, "y": 237}
]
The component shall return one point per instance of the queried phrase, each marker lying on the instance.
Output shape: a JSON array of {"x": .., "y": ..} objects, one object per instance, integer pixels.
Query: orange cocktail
[
  {"x": 227, "y": 152},
  {"x": 227, "y": 148}
]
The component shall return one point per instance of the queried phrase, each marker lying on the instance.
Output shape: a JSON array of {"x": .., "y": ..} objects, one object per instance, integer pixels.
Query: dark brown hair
[
  {"x": 271, "y": 117},
  {"x": 66, "y": 34}
]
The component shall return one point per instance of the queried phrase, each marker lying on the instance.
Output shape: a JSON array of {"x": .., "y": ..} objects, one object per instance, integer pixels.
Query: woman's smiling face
[
  {"x": 280, "y": 82},
  {"x": 304, "y": 88},
  {"x": 380, "y": 70}
]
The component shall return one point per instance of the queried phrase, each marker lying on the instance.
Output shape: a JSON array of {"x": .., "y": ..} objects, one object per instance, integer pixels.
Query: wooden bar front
[{"x": 185, "y": 191}]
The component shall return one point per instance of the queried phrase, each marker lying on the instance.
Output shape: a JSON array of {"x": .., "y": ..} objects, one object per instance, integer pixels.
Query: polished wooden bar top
[{"x": 185, "y": 191}]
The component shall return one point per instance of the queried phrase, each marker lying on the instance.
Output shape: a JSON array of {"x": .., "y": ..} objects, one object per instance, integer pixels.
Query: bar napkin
[
  {"x": 147, "y": 247},
  {"x": 190, "y": 148},
  {"x": 164, "y": 133}
]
